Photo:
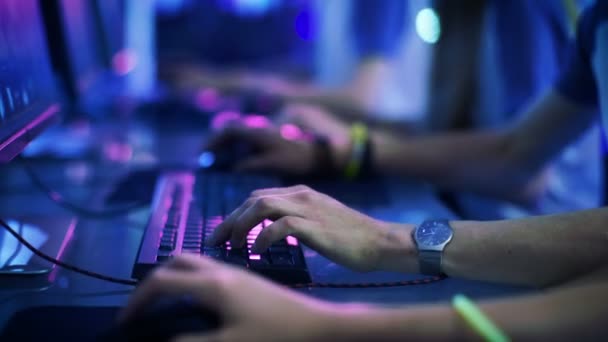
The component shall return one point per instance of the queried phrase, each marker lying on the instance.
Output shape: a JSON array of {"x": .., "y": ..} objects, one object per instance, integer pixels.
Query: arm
[
  {"x": 576, "y": 312},
  {"x": 493, "y": 162},
  {"x": 506, "y": 163},
  {"x": 537, "y": 251}
]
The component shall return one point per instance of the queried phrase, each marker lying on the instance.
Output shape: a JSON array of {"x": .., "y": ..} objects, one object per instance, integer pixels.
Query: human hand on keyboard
[
  {"x": 249, "y": 307},
  {"x": 324, "y": 224}
]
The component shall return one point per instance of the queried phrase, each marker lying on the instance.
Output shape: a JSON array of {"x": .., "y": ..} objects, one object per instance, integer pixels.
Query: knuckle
[
  {"x": 289, "y": 222},
  {"x": 250, "y": 201},
  {"x": 302, "y": 187},
  {"x": 265, "y": 204},
  {"x": 257, "y": 193}
]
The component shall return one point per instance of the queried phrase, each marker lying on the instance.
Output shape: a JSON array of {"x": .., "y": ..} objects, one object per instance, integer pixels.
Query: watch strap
[{"x": 430, "y": 262}]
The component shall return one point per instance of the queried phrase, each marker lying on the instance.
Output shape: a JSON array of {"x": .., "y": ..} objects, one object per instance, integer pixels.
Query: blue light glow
[
  {"x": 304, "y": 25},
  {"x": 206, "y": 159},
  {"x": 428, "y": 25}
]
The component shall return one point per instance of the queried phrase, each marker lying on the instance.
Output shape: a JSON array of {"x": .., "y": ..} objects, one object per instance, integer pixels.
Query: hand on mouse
[
  {"x": 283, "y": 149},
  {"x": 324, "y": 224},
  {"x": 250, "y": 308},
  {"x": 315, "y": 119}
]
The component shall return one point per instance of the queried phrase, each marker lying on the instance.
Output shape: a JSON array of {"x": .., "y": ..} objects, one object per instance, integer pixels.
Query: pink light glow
[
  {"x": 292, "y": 241},
  {"x": 115, "y": 151},
  {"x": 124, "y": 61},
  {"x": 221, "y": 119},
  {"x": 207, "y": 99},
  {"x": 256, "y": 121},
  {"x": 291, "y": 132},
  {"x": 64, "y": 244},
  {"x": 255, "y": 257}
]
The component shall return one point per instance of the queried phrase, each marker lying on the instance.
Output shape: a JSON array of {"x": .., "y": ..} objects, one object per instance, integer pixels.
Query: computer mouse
[
  {"x": 225, "y": 157},
  {"x": 165, "y": 319}
]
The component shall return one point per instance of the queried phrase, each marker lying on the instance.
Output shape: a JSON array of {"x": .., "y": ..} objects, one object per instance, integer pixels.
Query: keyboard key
[
  {"x": 278, "y": 249},
  {"x": 163, "y": 256},
  {"x": 284, "y": 259},
  {"x": 213, "y": 252}
]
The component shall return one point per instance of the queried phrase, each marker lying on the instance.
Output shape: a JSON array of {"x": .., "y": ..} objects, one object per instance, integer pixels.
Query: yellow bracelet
[
  {"x": 358, "y": 136},
  {"x": 477, "y": 320}
]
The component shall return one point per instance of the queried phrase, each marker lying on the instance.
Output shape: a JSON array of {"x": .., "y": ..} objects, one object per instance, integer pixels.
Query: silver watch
[{"x": 431, "y": 237}]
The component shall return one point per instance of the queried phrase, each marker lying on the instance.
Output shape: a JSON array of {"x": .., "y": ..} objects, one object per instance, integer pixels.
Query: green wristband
[{"x": 477, "y": 320}]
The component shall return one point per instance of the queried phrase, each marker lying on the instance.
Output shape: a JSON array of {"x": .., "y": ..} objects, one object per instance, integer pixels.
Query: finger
[
  {"x": 279, "y": 191},
  {"x": 189, "y": 262},
  {"x": 183, "y": 262},
  {"x": 224, "y": 230},
  {"x": 236, "y": 130},
  {"x": 270, "y": 207},
  {"x": 280, "y": 229},
  {"x": 166, "y": 281}
]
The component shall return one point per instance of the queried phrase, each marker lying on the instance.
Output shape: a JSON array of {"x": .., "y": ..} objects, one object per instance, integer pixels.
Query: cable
[
  {"x": 134, "y": 282},
  {"x": 63, "y": 264},
  {"x": 74, "y": 208},
  {"x": 421, "y": 281}
]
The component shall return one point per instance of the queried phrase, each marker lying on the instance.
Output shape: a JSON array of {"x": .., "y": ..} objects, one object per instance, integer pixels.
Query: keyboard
[{"x": 187, "y": 208}]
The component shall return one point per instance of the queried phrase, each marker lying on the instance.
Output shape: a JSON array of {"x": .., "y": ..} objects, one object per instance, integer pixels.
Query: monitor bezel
[{"x": 31, "y": 123}]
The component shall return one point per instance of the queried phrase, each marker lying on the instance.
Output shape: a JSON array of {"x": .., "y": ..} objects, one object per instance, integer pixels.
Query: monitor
[
  {"x": 74, "y": 36},
  {"x": 28, "y": 102}
]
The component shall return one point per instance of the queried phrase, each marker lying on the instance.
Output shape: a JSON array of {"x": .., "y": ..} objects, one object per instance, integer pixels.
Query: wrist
[
  {"x": 396, "y": 249},
  {"x": 341, "y": 149}
]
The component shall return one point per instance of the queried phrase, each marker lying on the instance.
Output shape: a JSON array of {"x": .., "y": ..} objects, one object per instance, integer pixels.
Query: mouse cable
[
  {"x": 74, "y": 208},
  {"x": 52, "y": 260},
  {"x": 134, "y": 282}
]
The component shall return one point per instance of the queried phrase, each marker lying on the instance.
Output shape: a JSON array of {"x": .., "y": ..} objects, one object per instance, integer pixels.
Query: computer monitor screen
[
  {"x": 82, "y": 36},
  {"x": 26, "y": 82}
]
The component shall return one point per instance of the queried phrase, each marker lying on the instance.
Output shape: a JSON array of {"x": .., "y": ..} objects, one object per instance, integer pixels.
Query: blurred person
[
  {"x": 492, "y": 58},
  {"x": 374, "y": 31},
  {"x": 504, "y": 161},
  {"x": 567, "y": 253}
]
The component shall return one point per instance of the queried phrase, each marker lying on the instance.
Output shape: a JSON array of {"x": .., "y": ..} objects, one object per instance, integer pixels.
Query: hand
[
  {"x": 275, "y": 151},
  {"x": 326, "y": 225},
  {"x": 317, "y": 120},
  {"x": 250, "y": 308}
]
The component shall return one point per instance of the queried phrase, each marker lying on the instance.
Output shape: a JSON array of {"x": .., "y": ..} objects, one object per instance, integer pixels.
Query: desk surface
[{"x": 110, "y": 246}]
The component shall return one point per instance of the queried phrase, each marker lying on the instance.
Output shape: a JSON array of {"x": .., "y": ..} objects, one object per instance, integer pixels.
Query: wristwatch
[{"x": 431, "y": 237}]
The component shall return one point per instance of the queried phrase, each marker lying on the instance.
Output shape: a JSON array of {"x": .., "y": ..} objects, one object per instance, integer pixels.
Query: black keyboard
[{"x": 185, "y": 211}]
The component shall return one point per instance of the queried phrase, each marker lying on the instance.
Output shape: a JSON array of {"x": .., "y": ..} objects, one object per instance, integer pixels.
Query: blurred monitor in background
[{"x": 27, "y": 91}]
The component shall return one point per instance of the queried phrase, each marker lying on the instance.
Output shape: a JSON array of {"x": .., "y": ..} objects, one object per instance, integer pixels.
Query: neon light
[
  {"x": 124, "y": 61},
  {"x": 292, "y": 241},
  {"x": 221, "y": 119},
  {"x": 9, "y": 95},
  {"x": 291, "y": 132},
  {"x": 207, "y": 99},
  {"x": 428, "y": 25},
  {"x": 256, "y": 121}
]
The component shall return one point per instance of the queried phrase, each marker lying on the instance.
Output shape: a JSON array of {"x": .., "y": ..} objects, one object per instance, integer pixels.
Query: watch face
[{"x": 433, "y": 233}]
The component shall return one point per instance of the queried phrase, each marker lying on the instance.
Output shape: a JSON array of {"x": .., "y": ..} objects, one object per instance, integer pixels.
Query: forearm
[
  {"x": 564, "y": 314},
  {"x": 536, "y": 251},
  {"x": 474, "y": 161}
]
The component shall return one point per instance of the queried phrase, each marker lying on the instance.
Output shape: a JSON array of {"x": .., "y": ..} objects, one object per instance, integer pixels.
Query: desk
[{"x": 109, "y": 247}]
